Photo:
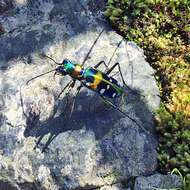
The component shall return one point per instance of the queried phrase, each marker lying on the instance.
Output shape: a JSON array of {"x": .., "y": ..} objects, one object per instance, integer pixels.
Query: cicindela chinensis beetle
[{"x": 100, "y": 82}]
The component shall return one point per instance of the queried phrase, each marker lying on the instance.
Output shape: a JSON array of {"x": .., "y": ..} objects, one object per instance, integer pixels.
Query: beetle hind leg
[
  {"x": 117, "y": 108},
  {"x": 122, "y": 78}
]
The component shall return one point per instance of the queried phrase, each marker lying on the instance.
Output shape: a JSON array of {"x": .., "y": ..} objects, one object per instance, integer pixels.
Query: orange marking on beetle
[{"x": 97, "y": 80}]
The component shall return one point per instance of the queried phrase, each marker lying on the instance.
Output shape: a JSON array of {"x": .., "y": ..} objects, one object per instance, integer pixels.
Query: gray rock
[
  {"x": 112, "y": 187},
  {"x": 158, "y": 181},
  {"x": 97, "y": 145},
  {"x": 5, "y": 5},
  {"x": 117, "y": 186}
]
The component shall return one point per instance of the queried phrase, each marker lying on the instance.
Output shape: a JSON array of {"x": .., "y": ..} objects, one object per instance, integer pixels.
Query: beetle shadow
[
  {"x": 96, "y": 116},
  {"x": 38, "y": 129},
  {"x": 34, "y": 127}
]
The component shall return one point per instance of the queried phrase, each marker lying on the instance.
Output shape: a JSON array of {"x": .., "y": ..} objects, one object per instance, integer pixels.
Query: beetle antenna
[
  {"x": 40, "y": 75},
  {"x": 43, "y": 55}
]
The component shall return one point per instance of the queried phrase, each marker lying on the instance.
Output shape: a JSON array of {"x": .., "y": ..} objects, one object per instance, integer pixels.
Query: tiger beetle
[{"x": 92, "y": 78}]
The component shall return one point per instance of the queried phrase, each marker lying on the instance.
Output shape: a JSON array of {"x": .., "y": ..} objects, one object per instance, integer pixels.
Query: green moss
[
  {"x": 174, "y": 141},
  {"x": 162, "y": 29}
]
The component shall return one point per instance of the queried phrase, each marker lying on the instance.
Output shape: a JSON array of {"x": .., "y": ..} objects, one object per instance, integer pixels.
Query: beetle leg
[
  {"x": 70, "y": 85},
  {"x": 111, "y": 69},
  {"x": 86, "y": 57},
  {"x": 79, "y": 88},
  {"x": 96, "y": 66},
  {"x": 117, "y": 108},
  {"x": 74, "y": 98}
]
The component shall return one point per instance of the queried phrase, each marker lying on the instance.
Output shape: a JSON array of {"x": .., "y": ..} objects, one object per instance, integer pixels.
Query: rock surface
[
  {"x": 158, "y": 181},
  {"x": 41, "y": 145}
]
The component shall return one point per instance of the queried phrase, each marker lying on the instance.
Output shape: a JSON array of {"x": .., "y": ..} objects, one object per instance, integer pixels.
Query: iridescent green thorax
[{"x": 74, "y": 70}]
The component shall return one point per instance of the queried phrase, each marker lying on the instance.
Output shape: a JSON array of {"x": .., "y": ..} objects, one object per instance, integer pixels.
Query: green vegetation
[
  {"x": 186, "y": 186},
  {"x": 162, "y": 29}
]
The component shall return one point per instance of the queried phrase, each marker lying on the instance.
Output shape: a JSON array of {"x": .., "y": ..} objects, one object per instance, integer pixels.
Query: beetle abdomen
[{"x": 101, "y": 83}]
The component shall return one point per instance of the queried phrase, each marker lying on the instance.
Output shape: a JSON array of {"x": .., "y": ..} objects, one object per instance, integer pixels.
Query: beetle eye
[
  {"x": 65, "y": 61},
  {"x": 61, "y": 70}
]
